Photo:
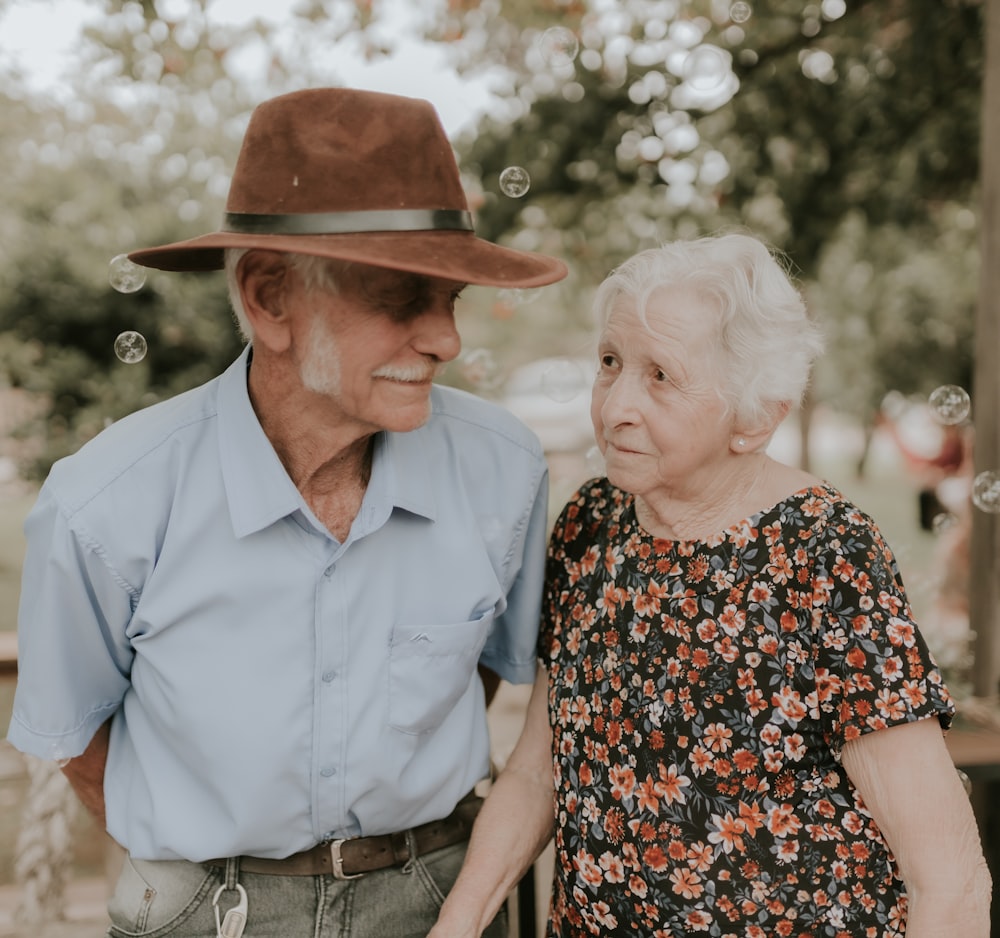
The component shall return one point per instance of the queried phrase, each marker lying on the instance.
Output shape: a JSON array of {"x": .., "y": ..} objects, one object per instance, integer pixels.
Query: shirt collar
[
  {"x": 260, "y": 491},
  {"x": 257, "y": 487},
  {"x": 407, "y": 466}
]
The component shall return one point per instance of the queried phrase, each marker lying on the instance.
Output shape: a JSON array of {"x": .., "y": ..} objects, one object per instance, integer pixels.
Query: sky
[{"x": 39, "y": 36}]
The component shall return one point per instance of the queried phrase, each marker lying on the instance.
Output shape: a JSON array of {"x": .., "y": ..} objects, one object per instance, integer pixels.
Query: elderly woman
[{"x": 737, "y": 717}]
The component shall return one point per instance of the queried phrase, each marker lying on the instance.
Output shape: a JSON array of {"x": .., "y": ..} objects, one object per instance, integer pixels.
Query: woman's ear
[
  {"x": 756, "y": 439},
  {"x": 265, "y": 282}
]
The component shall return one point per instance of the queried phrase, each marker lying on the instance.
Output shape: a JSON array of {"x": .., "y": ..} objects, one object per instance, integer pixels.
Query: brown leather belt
[{"x": 352, "y": 857}]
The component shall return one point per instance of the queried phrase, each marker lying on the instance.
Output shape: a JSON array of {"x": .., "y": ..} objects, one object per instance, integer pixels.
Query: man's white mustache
[{"x": 415, "y": 373}]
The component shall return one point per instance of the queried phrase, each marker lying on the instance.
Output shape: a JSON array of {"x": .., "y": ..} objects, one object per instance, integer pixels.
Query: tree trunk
[{"x": 984, "y": 594}]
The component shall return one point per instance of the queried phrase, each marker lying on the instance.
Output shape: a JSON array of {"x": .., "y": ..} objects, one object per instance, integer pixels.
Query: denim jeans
[{"x": 174, "y": 898}]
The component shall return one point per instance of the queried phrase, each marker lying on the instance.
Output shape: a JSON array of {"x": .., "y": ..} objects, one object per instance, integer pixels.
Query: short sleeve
[
  {"x": 570, "y": 540},
  {"x": 510, "y": 649},
  {"x": 73, "y": 655},
  {"x": 873, "y": 666}
]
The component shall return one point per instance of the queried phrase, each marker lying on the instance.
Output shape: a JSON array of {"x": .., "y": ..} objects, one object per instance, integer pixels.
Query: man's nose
[{"x": 438, "y": 335}]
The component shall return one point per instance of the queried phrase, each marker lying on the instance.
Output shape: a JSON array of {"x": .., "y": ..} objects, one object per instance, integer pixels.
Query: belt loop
[
  {"x": 411, "y": 849},
  {"x": 232, "y": 872}
]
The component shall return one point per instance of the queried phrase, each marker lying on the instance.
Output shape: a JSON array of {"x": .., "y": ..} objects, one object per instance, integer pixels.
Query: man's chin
[{"x": 405, "y": 419}]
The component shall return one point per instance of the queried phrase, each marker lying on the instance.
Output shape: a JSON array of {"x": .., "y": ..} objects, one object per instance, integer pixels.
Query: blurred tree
[{"x": 853, "y": 135}]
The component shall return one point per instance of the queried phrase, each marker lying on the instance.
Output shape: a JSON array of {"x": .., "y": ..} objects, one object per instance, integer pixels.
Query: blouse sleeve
[
  {"x": 572, "y": 541},
  {"x": 873, "y": 667}
]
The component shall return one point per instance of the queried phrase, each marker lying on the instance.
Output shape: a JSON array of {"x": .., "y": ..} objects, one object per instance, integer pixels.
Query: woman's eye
[{"x": 660, "y": 376}]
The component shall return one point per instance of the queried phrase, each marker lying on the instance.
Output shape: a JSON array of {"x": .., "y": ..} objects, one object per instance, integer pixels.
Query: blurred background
[{"x": 846, "y": 133}]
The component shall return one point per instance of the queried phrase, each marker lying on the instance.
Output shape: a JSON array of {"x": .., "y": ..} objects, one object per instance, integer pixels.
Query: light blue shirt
[{"x": 270, "y": 686}]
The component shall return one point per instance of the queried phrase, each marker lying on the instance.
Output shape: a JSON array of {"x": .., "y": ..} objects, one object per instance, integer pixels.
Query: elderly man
[{"x": 252, "y": 616}]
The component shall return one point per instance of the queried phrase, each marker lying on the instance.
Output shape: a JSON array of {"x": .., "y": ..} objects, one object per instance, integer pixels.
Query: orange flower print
[
  {"x": 622, "y": 782},
  {"x": 698, "y": 691},
  {"x": 614, "y": 869},
  {"x": 671, "y": 784},
  {"x": 727, "y": 831},
  {"x": 588, "y": 868},
  {"x": 782, "y": 821},
  {"x": 718, "y": 737},
  {"x": 697, "y": 920},
  {"x": 654, "y": 857},
  {"x": 686, "y": 883}
]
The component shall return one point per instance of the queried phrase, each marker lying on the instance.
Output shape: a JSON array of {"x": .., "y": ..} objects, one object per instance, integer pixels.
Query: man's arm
[
  {"x": 512, "y": 829},
  {"x": 909, "y": 784},
  {"x": 86, "y": 773}
]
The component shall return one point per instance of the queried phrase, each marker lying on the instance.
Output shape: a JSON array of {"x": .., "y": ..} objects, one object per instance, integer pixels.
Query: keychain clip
[{"x": 230, "y": 925}]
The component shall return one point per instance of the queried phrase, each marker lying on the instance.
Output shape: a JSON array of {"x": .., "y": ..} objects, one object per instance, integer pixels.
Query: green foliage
[
  {"x": 81, "y": 201},
  {"x": 851, "y": 144}
]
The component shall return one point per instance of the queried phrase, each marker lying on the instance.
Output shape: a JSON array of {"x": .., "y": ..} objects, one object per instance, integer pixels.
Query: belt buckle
[{"x": 338, "y": 860}]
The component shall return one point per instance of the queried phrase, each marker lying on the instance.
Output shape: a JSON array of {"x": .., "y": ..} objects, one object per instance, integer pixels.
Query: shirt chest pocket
[{"x": 430, "y": 669}]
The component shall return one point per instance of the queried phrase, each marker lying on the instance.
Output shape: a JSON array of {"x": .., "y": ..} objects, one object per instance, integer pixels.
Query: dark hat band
[{"x": 320, "y": 223}]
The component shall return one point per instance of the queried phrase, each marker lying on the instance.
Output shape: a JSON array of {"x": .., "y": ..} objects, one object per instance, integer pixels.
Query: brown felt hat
[{"x": 357, "y": 175}]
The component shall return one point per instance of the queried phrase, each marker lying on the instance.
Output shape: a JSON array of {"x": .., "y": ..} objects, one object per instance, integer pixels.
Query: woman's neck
[{"x": 755, "y": 483}]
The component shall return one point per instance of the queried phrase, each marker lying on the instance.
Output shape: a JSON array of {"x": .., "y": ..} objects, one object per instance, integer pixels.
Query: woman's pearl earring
[{"x": 741, "y": 442}]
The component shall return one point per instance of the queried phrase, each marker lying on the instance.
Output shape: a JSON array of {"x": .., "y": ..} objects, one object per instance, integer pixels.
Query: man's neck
[{"x": 327, "y": 457}]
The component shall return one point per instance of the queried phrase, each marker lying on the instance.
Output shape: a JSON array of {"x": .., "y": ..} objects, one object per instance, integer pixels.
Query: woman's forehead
[{"x": 673, "y": 312}]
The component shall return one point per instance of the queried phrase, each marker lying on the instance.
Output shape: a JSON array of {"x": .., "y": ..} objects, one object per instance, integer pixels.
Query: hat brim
[{"x": 452, "y": 255}]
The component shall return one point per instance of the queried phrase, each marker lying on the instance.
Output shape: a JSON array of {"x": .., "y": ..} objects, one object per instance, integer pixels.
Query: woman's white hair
[
  {"x": 767, "y": 341},
  {"x": 318, "y": 273}
]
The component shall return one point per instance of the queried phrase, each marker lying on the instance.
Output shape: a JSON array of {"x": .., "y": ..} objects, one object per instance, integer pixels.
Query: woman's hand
[{"x": 512, "y": 829}]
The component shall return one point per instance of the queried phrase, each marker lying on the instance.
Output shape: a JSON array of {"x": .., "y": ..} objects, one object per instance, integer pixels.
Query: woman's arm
[
  {"x": 909, "y": 784},
  {"x": 512, "y": 829}
]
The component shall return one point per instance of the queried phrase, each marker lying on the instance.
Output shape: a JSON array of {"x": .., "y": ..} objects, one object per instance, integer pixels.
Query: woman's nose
[{"x": 618, "y": 404}]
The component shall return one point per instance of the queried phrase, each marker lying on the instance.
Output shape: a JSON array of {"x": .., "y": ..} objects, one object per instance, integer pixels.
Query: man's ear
[
  {"x": 756, "y": 439},
  {"x": 265, "y": 281}
]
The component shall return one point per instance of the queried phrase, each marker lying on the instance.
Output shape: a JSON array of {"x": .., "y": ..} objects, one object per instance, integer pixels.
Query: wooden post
[{"x": 984, "y": 590}]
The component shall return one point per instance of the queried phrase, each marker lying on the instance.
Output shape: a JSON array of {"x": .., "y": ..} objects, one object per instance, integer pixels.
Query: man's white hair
[{"x": 318, "y": 273}]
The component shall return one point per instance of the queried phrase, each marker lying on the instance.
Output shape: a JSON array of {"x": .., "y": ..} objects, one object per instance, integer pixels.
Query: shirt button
[
  {"x": 328, "y": 572},
  {"x": 328, "y": 771},
  {"x": 328, "y": 676}
]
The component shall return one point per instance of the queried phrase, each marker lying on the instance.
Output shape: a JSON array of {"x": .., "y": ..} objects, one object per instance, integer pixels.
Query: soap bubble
[
  {"x": 740, "y": 12},
  {"x": 558, "y": 46},
  {"x": 942, "y": 522},
  {"x": 130, "y": 347},
  {"x": 124, "y": 275},
  {"x": 986, "y": 491},
  {"x": 479, "y": 367},
  {"x": 514, "y": 181},
  {"x": 950, "y": 404},
  {"x": 594, "y": 461},
  {"x": 518, "y": 296},
  {"x": 562, "y": 380}
]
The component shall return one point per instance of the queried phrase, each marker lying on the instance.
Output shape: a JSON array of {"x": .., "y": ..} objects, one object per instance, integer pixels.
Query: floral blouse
[{"x": 700, "y": 693}]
